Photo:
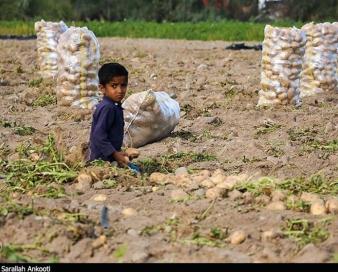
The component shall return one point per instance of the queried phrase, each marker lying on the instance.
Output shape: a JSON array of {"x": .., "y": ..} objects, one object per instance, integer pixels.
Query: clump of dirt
[{"x": 234, "y": 183}]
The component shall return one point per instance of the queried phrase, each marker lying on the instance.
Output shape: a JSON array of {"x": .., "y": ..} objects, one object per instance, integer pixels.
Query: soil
[{"x": 217, "y": 90}]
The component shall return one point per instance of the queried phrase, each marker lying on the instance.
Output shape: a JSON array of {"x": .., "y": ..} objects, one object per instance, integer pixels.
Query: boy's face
[{"x": 116, "y": 89}]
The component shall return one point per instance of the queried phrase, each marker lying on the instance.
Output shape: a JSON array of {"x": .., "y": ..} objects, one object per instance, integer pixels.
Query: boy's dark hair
[{"x": 110, "y": 70}]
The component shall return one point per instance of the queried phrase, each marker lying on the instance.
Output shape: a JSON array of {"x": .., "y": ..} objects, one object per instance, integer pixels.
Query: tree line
[{"x": 161, "y": 10}]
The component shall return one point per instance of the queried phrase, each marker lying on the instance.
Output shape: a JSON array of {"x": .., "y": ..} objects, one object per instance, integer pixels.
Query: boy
[{"x": 107, "y": 130}]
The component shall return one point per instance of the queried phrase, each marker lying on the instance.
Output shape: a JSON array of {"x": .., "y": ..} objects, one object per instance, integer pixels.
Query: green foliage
[
  {"x": 44, "y": 100},
  {"x": 305, "y": 232},
  {"x": 209, "y": 30},
  {"x": 168, "y": 163}
]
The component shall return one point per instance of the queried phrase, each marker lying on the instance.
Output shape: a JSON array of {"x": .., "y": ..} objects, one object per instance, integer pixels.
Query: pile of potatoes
[
  {"x": 48, "y": 34},
  {"x": 149, "y": 116},
  {"x": 79, "y": 55},
  {"x": 282, "y": 59},
  {"x": 320, "y": 60}
]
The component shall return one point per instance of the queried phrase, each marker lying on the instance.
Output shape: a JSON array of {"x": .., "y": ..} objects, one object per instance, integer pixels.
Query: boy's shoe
[{"x": 134, "y": 168}]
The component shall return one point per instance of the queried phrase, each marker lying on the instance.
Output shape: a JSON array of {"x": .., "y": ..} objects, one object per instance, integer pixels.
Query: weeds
[
  {"x": 267, "y": 127},
  {"x": 215, "y": 238},
  {"x": 298, "y": 205},
  {"x": 315, "y": 184},
  {"x": 120, "y": 252},
  {"x": 305, "y": 232},
  {"x": 21, "y": 130},
  {"x": 169, "y": 226},
  {"x": 35, "y": 82},
  {"x": 263, "y": 185},
  {"x": 168, "y": 163},
  {"x": 23, "y": 174},
  {"x": 44, "y": 100}
]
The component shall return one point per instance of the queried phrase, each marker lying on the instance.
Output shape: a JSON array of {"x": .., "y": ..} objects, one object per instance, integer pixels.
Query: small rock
[
  {"x": 311, "y": 254},
  {"x": 132, "y": 232},
  {"x": 269, "y": 235},
  {"x": 309, "y": 197},
  {"x": 139, "y": 257},
  {"x": 154, "y": 189},
  {"x": 199, "y": 193},
  {"x": 202, "y": 66},
  {"x": 34, "y": 157},
  {"x": 332, "y": 205},
  {"x": 133, "y": 153},
  {"x": 237, "y": 237},
  {"x": 178, "y": 195},
  {"x": 99, "y": 198},
  {"x": 235, "y": 194},
  {"x": 98, "y": 185},
  {"x": 276, "y": 206},
  {"x": 181, "y": 171},
  {"x": 205, "y": 173},
  {"x": 329, "y": 127},
  {"x": 182, "y": 180},
  {"x": 83, "y": 186},
  {"x": 248, "y": 197},
  {"x": 278, "y": 196},
  {"x": 218, "y": 172},
  {"x": 127, "y": 212},
  {"x": 262, "y": 199},
  {"x": 207, "y": 183},
  {"x": 99, "y": 242},
  {"x": 214, "y": 193},
  {"x": 84, "y": 178},
  {"x": 318, "y": 207},
  {"x": 158, "y": 178},
  {"x": 217, "y": 179}
]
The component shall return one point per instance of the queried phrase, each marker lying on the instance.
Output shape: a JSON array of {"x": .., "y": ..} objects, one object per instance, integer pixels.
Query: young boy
[{"x": 107, "y": 130}]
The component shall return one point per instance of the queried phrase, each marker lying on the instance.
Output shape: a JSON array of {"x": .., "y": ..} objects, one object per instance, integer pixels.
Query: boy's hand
[{"x": 121, "y": 158}]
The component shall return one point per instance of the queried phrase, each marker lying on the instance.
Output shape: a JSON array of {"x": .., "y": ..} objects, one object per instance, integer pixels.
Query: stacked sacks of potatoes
[
  {"x": 283, "y": 50},
  {"x": 320, "y": 60},
  {"x": 48, "y": 34},
  {"x": 79, "y": 55},
  {"x": 149, "y": 116}
]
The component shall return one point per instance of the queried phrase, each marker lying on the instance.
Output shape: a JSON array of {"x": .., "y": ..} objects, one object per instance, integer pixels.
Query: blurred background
[{"x": 170, "y": 10}]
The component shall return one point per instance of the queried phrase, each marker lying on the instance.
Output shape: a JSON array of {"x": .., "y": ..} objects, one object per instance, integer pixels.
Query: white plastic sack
[
  {"x": 282, "y": 59},
  {"x": 48, "y": 34},
  {"x": 79, "y": 55},
  {"x": 149, "y": 116},
  {"x": 320, "y": 60}
]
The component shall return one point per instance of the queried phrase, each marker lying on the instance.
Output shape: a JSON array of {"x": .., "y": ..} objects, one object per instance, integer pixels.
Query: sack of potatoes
[
  {"x": 320, "y": 60},
  {"x": 282, "y": 59},
  {"x": 79, "y": 54},
  {"x": 149, "y": 116},
  {"x": 48, "y": 34}
]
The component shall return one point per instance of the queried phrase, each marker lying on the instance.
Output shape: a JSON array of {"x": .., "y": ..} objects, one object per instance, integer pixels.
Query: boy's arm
[{"x": 100, "y": 134}]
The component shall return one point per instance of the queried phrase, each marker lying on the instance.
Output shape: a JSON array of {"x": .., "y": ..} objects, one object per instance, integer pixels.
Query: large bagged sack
[
  {"x": 149, "y": 116},
  {"x": 79, "y": 55},
  {"x": 320, "y": 60},
  {"x": 48, "y": 34},
  {"x": 282, "y": 59}
]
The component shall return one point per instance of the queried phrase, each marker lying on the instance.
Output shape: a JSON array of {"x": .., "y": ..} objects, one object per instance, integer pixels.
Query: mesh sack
[
  {"x": 282, "y": 59},
  {"x": 79, "y": 55},
  {"x": 48, "y": 34}
]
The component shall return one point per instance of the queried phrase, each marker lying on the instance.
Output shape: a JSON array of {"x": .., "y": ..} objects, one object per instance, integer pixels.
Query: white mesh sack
[
  {"x": 283, "y": 50},
  {"x": 320, "y": 60},
  {"x": 149, "y": 116},
  {"x": 48, "y": 34},
  {"x": 79, "y": 55}
]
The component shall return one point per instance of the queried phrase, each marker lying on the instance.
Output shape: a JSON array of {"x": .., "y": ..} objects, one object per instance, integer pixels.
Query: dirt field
[{"x": 220, "y": 128}]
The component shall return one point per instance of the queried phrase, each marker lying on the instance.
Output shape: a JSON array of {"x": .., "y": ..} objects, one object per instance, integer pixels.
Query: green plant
[
  {"x": 305, "y": 232},
  {"x": 35, "y": 82},
  {"x": 168, "y": 163},
  {"x": 44, "y": 100}
]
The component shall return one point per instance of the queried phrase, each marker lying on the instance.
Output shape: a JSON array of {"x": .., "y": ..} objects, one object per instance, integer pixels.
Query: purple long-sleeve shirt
[{"x": 107, "y": 130}]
